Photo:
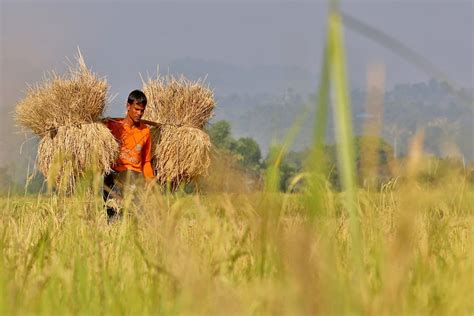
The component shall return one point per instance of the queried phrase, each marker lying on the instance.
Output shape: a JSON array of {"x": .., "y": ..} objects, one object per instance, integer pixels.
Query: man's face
[{"x": 135, "y": 111}]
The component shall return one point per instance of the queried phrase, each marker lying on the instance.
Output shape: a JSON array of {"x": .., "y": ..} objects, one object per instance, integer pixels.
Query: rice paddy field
[
  {"x": 241, "y": 254},
  {"x": 402, "y": 248}
]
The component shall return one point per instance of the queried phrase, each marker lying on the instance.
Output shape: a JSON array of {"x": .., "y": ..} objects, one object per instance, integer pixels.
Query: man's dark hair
[{"x": 138, "y": 96}]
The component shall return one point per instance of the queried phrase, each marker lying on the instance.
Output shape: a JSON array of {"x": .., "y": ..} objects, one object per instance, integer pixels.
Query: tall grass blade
[
  {"x": 279, "y": 151},
  {"x": 317, "y": 162},
  {"x": 342, "y": 120}
]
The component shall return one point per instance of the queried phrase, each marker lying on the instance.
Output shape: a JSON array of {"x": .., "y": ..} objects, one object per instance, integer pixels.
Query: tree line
[{"x": 376, "y": 161}]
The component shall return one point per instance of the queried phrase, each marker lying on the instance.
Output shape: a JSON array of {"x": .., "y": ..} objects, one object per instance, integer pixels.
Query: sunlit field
[
  {"x": 402, "y": 245},
  {"x": 253, "y": 254}
]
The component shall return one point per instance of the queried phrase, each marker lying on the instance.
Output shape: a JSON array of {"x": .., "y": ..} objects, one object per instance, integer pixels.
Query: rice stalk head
[
  {"x": 77, "y": 97},
  {"x": 74, "y": 150},
  {"x": 178, "y": 101},
  {"x": 181, "y": 155}
]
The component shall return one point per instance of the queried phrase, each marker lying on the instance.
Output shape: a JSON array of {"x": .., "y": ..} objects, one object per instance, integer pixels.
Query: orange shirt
[{"x": 135, "y": 147}]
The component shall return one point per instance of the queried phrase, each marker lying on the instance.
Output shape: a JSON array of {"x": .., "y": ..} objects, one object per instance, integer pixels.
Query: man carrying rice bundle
[{"x": 134, "y": 161}]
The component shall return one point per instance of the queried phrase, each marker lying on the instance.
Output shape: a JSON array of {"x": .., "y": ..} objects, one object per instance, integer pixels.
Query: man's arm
[
  {"x": 146, "y": 156},
  {"x": 148, "y": 171}
]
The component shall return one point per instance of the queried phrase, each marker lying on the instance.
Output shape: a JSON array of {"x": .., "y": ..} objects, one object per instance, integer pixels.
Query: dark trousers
[{"x": 117, "y": 184}]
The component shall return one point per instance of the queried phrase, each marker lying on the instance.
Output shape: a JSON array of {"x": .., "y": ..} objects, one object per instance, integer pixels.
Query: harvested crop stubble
[
  {"x": 182, "y": 154},
  {"x": 73, "y": 150},
  {"x": 77, "y": 97},
  {"x": 181, "y": 148}
]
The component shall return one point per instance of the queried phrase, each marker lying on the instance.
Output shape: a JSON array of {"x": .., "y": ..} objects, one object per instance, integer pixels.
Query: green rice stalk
[
  {"x": 342, "y": 120},
  {"x": 317, "y": 162}
]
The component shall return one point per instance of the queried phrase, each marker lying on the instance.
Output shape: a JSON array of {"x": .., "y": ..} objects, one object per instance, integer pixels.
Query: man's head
[{"x": 136, "y": 105}]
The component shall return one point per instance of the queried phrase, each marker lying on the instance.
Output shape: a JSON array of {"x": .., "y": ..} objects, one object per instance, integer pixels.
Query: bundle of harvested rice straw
[
  {"x": 64, "y": 111},
  {"x": 181, "y": 149}
]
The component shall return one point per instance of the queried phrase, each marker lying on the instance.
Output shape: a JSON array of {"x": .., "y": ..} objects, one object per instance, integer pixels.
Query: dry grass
[
  {"x": 240, "y": 254},
  {"x": 75, "y": 149},
  {"x": 62, "y": 111},
  {"x": 181, "y": 155},
  {"x": 226, "y": 175},
  {"x": 181, "y": 148},
  {"x": 76, "y": 97},
  {"x": 178, "y": 101}
]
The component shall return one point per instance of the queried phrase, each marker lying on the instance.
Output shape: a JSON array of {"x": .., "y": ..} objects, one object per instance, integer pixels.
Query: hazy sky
[{"x": 121, "y": 39}]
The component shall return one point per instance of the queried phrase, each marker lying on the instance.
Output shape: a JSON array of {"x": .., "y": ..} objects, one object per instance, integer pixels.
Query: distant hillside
[
  {"x": 263, "y": 102},
  {"x": 445, "y": 118},
  {"x": 228, "y": 79}
]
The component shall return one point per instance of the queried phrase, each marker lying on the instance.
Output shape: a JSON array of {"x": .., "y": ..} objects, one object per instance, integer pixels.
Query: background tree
[
  {"x": 249, "y": 153},
  {"x": 245, "y": 150},
  {"x": 220, "y": 134}
]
